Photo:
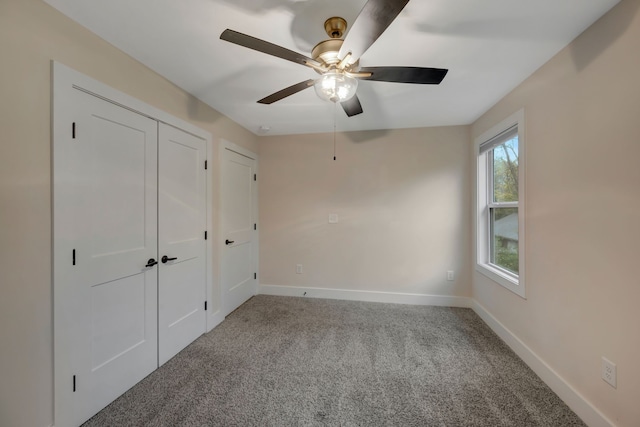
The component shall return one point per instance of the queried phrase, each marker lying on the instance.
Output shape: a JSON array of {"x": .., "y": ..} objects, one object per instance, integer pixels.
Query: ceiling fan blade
[
  {"x": 419, "y": 75},
  {"x": 373, "y": 19},
  {"x": 286, "y": 92},
  {"x": 352, "y": 106},
  {"x": 266, "y": 47}
]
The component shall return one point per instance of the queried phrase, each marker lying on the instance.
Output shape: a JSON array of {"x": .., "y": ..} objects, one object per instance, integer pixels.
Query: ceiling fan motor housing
[{"x": 326, "y": 53}]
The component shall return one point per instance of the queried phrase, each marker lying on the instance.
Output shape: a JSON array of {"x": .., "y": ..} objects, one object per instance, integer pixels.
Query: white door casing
[
  {"x": 105, "y": 296},
  {"x": 181, "y": 227},
  {"x": 238, "y": 267}
]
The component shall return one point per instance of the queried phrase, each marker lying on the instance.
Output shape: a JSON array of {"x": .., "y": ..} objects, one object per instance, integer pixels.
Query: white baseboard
[
  {"x": 578, "y": 404},
  {"x": 368, "y": 296}
]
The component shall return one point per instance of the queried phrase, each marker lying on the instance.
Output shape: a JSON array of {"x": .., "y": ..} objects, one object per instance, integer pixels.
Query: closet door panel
[
  {"x": 182, "y": 223},
  {"x": 105, "y": 295}
]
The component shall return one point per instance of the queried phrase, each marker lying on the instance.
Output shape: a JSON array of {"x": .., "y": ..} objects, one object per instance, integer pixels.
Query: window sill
[{"x": 503, "y": 279}]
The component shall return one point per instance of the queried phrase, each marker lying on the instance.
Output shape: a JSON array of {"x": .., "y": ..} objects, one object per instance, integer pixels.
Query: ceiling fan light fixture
[
  {"x": 335, "y": 87},
  {"x": 337, "y": 59}
]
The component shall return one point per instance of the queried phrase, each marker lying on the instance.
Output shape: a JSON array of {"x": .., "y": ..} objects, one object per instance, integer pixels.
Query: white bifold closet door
[
  {"x": 181, "y": 245},
  {"x": 127, "y": 191}
]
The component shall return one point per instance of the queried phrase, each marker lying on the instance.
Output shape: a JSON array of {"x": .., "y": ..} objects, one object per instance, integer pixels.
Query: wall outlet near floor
[
  {"x": 609, "y": 373},
  {"x": 450, "y": 275},
  {"x": 298, "y": 268},
  {"x": 333, "y": 218}
]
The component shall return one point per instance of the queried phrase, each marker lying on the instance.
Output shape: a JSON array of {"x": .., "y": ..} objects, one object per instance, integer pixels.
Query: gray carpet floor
[{"x": 281, "y": 361}]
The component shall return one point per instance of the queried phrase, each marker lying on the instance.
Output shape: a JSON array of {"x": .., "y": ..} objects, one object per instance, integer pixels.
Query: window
[{"x": 500, "y": 214}]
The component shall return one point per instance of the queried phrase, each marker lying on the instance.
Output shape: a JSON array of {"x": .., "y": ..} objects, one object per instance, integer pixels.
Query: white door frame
[
  {"x": 228, "y": 145},
  {"x": 65, "y": 82}
]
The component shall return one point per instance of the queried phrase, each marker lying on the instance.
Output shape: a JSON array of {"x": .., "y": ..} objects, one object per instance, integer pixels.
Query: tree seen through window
[{"x": 504, "y": 220}]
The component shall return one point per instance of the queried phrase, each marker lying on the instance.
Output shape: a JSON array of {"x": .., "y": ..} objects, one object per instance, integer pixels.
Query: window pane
[
  {"x": 505, "y": 171},
  {"x": 504, "y": 238}
]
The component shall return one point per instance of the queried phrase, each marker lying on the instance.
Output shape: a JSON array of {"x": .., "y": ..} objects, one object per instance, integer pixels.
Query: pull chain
[{"x": 335, "y": 108}]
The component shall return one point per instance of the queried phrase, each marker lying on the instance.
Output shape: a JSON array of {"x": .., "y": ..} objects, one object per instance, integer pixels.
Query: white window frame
[{"x": 484, "y": 200}]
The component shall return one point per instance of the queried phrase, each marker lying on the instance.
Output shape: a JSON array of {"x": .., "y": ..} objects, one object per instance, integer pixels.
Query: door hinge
[
  {"x": 74, "y": 383},
  {"x": 73, "y": 257},
  {"x": 205, "y": 165},
  {"x": 255, "y": 226},
  {"x": 255, "y": 276},
  {"x": 73, "y": 130},
  {"x": 205, "y": 235},
  {"x": 205, "y": 306},
  {"x": 255, "y": 177}
]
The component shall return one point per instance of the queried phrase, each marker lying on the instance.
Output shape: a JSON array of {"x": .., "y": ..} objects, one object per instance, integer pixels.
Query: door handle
[
  {"x": 228, "y": 242},
  {"x": 151, "y": 262},
  {"x": 166, "y": 258}
]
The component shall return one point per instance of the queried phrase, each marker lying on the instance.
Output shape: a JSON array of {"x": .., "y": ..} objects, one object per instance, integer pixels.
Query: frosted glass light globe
[{"x": 335, "y": 87}]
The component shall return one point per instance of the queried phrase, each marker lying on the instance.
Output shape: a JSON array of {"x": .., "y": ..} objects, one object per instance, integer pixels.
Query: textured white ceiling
[{"x": 489, "y": 47}]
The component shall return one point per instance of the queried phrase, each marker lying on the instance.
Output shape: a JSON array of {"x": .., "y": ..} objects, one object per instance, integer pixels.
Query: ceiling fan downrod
[{"x": 335, "y": 27}]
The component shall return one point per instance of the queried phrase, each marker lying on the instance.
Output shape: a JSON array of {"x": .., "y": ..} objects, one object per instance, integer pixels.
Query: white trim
[
  {"x": 578, "y": 403},
  {"x": 214, "y": 319},
  {"x": 224, "y": 144},
  {"x": 499, "y": 139},
  {"x": 515, "y": 285},
  {"x": 70, "y": 77},
  {"x": 367, "y": 296},
  {"x": 212, "y": 235},
  {"x": 516, "y": 118}
]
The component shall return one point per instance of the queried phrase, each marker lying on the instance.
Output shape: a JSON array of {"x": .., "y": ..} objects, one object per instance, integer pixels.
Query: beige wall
[
  {"x": 582, "y": 112},
  {"x": 403, "y": 203},
  {"x": 31, "y": 35}
]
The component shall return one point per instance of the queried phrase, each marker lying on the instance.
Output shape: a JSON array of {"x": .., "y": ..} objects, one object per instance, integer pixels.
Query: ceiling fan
[{"x": 337, "y": 60}]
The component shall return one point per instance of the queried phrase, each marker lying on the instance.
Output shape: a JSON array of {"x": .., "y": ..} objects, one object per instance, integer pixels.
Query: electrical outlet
[
  {"x": 609, "y": 373},
  {"x": 298, "y": 268},
  {"x": 333, "y": 218},
  {"x": 450, "y": 275}
]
